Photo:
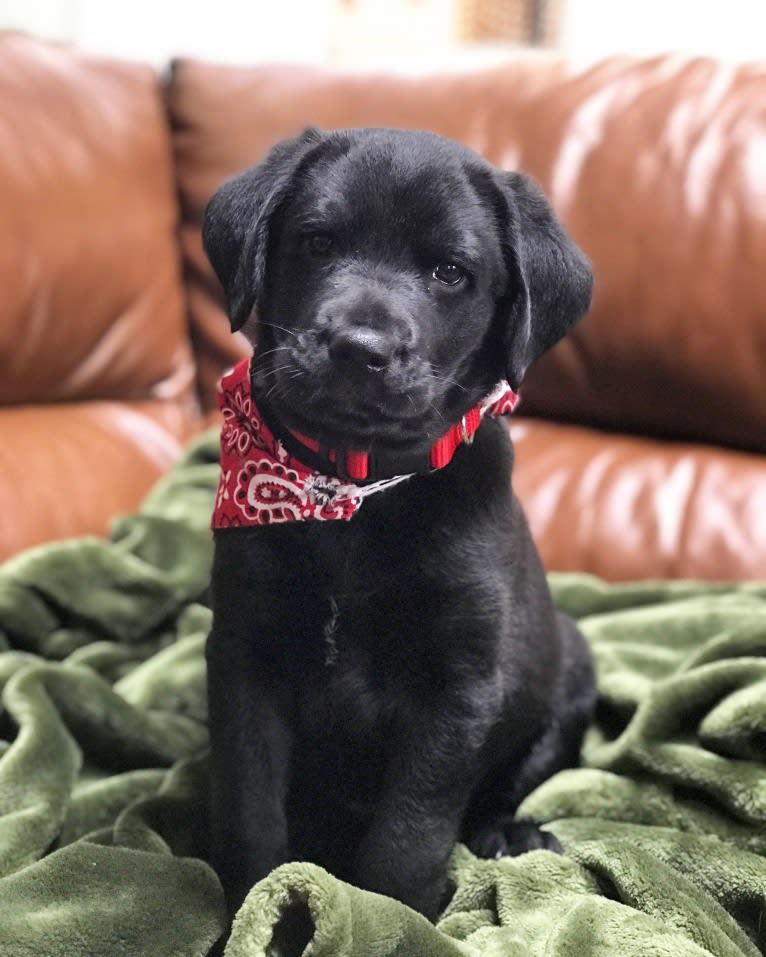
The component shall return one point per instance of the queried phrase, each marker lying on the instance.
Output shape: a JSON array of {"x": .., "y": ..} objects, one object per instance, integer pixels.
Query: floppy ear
[
  {"x": 235, "y": 229},
  {"x": 551, "y": 279}
]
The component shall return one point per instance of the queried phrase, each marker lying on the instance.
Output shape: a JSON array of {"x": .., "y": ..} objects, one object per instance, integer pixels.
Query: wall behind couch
[
  {"x": 230, "y": 31},
  {"x": 251, "y": 31}
]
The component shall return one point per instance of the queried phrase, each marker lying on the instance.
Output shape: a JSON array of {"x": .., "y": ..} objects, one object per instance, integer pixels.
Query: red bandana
[{"x": 262, "y": 483}]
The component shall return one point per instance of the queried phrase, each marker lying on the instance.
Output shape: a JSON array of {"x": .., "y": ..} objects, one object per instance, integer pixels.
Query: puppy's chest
[
  {"x": 377, "y": 638},
  {"x": 359, "y": 683}
]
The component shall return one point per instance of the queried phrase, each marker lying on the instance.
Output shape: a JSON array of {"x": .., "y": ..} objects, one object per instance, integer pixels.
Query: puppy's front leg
[
  {"x": 433, "y": 768},
  {"x": 250, "y": 748}
]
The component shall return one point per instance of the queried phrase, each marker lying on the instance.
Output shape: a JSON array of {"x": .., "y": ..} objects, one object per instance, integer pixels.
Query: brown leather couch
[{"x": 641, "y": 440}]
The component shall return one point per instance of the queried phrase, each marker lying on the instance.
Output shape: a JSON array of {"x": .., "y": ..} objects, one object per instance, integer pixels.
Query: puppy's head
[{"x": 396, "y": 278}]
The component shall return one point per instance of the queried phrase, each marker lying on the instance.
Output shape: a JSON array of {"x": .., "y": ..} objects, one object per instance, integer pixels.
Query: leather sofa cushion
[
  {"x": 625, "y": 507},
  {"x": 92, "y": 302},
  {"x": 69, "y": 468}
]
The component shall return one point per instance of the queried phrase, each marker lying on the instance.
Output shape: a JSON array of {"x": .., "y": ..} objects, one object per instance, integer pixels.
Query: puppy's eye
[
  {"x": 319, "y": 244},
  {"x": 449, "y": 273}
]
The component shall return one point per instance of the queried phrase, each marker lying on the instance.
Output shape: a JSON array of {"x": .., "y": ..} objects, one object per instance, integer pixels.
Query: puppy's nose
[{"x": 362, "y": 348}]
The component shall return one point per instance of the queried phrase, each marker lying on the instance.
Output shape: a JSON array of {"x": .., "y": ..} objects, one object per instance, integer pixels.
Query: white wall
[
  {"x": 401, "y": 30},
  {"x": 375, "y": 30},
  {"x": 52, "y": 19},
  {"x": 727, "y": 29},
  {"x": 235, "y": 31}
]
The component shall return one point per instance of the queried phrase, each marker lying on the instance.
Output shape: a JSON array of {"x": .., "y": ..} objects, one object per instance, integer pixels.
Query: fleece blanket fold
[{"x": 103, "y": 774}]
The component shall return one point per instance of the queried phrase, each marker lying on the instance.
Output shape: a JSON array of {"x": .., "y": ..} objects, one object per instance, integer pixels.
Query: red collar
[{"x": 265, "y": 480}]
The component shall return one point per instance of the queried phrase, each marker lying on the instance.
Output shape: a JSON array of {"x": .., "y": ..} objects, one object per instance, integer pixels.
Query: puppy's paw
[{"x": 508, "y": 837}]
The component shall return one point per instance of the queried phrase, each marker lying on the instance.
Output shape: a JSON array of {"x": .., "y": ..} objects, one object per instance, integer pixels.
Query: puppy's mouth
[
  {"x": 352, "y": 412},
  {"x": 360, "y": 431}
]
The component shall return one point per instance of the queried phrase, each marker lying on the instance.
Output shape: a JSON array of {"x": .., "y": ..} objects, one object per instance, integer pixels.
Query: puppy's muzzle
[{"x": 370, "y": 340}]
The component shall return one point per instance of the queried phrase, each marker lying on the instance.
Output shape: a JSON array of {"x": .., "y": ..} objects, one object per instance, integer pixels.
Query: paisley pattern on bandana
[{"x": 261, "y": 483}]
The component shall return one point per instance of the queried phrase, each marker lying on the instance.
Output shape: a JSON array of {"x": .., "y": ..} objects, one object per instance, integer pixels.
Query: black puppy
[{"x": 387, "y": 674}]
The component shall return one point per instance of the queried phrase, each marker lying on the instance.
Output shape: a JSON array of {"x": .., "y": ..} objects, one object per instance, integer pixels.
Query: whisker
[
  {"x": 274, "y": 388},
  {"x": 265, "y": 373},
  {"x": 273, "y": 325},
  {"x": 437, "y": 411},
  {"x": 260, "y": 356},
  {"x": 448, "y": 379}
]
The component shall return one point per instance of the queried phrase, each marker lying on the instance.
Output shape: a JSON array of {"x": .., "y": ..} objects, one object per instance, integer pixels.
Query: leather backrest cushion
[
  {"x": 656, "y": 167},
  {"x": 92, "y": 301}
]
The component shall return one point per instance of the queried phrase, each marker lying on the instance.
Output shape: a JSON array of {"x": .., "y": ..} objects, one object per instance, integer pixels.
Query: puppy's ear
[
  {"x": 235, "y": 229},
  {"x": 550, "y": 278}
]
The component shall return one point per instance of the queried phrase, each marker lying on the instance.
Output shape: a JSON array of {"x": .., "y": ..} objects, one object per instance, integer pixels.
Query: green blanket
[{"x": 102, "y": 774}]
